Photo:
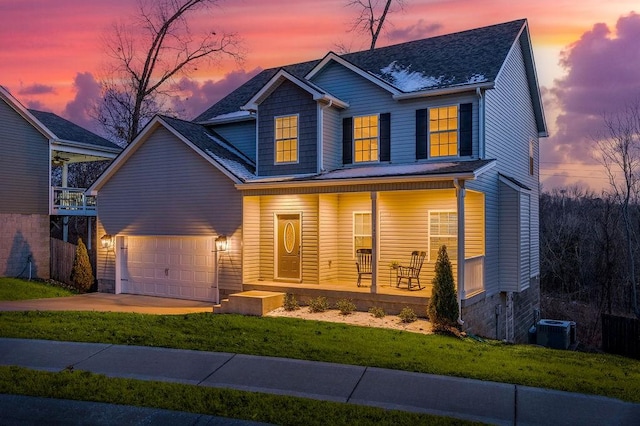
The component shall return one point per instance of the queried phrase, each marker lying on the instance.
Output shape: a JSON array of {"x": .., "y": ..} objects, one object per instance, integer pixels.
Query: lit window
[
  {"x": 443, "y": 230},
  {"x": 361, "y": 231},
  {"x": 365, "y": 138},
  {"x": 443, "y": 131},
  {"x": 287, "y": 139}
]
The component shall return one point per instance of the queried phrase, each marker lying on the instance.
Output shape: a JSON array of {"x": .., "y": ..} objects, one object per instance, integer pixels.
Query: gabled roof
[
  {"x": 318, "y": 93},
  {"x": 61, "y": 132},
  {"x": 205, "y": 142},
  {"x": 65, "y": 130},
  {"x": 460, "y": 61}
]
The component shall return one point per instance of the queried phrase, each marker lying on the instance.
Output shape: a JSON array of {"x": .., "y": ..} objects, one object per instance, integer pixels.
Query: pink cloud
[
  {"x": 602, "y": 77},
  {"x": 194, "y": 97},
  {"x": 87, "y": 92},
  {"x": 419, "y": 30},
  {"x": 36, "y": 89}
]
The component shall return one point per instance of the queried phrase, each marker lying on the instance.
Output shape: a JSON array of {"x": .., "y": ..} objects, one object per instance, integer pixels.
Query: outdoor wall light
[
  {"x": 107, "y": 241},
  {"x": 221, "y": 243}
]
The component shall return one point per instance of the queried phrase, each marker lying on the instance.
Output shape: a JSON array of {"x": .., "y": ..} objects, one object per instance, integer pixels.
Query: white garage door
[{"x": 177, "y": 267}]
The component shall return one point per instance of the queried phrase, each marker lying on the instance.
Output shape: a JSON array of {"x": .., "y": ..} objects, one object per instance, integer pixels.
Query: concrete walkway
[
  {"x": 495, "y": 403},
  {"x": 106, "y": 302}
]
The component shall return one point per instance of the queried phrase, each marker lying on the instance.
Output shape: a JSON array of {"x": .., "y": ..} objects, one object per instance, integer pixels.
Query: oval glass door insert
[{"x": 289, "y": 237}]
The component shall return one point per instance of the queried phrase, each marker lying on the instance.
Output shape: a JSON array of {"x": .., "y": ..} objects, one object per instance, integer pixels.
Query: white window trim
[
  {"x": 275, "y": 141},
  {"x": 353, "y": 131},
  {"x": 457, "y": 132},
  {"x": 429, "y": 231},
  {"x": 353, "y": 230}
]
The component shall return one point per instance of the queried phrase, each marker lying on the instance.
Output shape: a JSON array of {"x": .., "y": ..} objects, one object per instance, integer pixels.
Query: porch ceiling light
[
  {"x": 221, "y": 243},
  {"x": 107, "y": 241}
]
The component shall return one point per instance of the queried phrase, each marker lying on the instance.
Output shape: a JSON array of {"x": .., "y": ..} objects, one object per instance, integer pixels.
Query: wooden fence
[
  {"x": 62, "y": 256},
  {"x": 621, "y": 335}
]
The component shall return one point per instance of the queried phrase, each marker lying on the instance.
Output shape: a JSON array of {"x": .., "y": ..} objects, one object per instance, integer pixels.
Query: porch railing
[
  {"x": 72, "y": 202},
  {"x": 473, "y": 275}
]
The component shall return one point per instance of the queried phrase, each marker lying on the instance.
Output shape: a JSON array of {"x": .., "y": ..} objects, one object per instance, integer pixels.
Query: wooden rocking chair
[
  {"x": 412, "y": 271},
  {"x": 363, "y": 263}
]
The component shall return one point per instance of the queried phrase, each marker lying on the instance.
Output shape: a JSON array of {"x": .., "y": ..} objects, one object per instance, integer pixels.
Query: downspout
[
  {"x": 321, "y": 135},
  {"x": 460, "y": 193},
  {"x": 481, "y": 117}
]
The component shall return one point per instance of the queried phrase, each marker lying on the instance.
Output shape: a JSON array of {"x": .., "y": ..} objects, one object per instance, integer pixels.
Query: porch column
[
  {"x": 65, "y": 219},
  {"x": 374, "y": 242},
  {"x": 460, "y": 193}
]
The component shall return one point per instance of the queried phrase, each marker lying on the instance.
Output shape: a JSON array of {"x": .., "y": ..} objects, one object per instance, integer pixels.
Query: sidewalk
[{"x": 495, "y": 403}]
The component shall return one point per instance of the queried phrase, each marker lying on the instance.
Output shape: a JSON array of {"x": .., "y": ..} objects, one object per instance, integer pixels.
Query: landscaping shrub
[
  {"x": 82, "y": 273},
  {"x": 318, "y": 304},
  {"x": 443, "y": 305},
  {"x": 407, "y": 315},
  {"x": 377, "y": 312},
  {"x": 290, "y": 303},
  {"x": 345, "y": 306}
]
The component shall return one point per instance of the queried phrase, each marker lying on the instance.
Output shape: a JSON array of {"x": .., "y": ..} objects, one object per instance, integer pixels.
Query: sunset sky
[{"x": 587, "y": 55}]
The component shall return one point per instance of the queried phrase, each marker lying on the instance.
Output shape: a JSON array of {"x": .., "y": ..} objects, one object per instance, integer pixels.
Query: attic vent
[{"x": 554, "y": 334}]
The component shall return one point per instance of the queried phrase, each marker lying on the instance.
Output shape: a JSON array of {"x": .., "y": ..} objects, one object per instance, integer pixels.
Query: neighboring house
[
  {"x": 402, "y": 148},
  {"x": 32, "y": 141}
]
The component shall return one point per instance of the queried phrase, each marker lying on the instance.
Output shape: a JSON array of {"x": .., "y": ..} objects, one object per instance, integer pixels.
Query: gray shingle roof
[
  {"x": 68, "y": 131},
  {"x": 456, "y": 59},
  {"x": 214, "y": 146}
]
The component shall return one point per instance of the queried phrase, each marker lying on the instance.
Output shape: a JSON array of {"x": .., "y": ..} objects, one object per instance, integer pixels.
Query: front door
[{"x": 288, "y": 246}]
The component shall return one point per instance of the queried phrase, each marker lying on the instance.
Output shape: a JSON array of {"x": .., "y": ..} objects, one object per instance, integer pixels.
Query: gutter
[{"x": 445, "y": 91}]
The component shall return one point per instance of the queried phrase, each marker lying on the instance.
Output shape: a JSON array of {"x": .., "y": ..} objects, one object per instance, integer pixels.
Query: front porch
[{"x": 305, "y": 244}]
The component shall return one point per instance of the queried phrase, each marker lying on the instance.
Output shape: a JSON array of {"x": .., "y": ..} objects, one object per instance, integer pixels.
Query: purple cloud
[
  {"x": 36, "y": 89},
  {"x": 194, "y": 97},
  {"x": 79, "y": 109},
  {"x": 602, "y": 78},
  {"x": 417, "y": 31}
]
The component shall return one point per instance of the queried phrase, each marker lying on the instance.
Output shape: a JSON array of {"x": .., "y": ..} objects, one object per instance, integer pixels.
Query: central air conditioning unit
[{"x": 554, "y": 334}]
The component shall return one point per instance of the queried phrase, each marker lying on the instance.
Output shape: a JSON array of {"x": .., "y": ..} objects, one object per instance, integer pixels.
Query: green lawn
[
  {"x": 598, "y": 374},
  {"x": 17, "y": 289}
]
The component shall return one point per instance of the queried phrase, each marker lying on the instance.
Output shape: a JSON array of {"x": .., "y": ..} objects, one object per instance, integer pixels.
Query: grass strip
[
  {"x": 261, "y": 407},
  {"x": 17, "y": 289},
  {"x": 598, "y": 374}
]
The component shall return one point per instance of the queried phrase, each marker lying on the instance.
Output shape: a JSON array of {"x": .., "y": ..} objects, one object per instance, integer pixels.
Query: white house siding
[
  {"x": 167, "y": 189},
  {"x": 240, "y": 135},
  {"x": 307, "y": 207},
  {"x": 365, "y": 97},
  {"x": 509, "y": 233},
  {"x": 510, "y": 124},
  {"x": 105, "y": 263},
  {"x": 251, "y": 235},
  {"x": 348, "y": 204},
  {"x": 328, "y": 257}
]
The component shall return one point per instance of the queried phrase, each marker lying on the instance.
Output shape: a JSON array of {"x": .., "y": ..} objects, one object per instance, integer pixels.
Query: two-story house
[
  {"x": 399, "y": 149},
  {"x": 33, "y": 142}
]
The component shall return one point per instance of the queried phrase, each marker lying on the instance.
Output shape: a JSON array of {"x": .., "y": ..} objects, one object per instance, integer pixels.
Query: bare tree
[
  {"x": 147, "y": 54},
  {"x": 372, "y": 16},
  {"x": 619, "y": 149}
]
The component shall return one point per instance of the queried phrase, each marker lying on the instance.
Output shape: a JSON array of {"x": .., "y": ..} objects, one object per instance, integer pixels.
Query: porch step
[{"x": 252, "y": 302}]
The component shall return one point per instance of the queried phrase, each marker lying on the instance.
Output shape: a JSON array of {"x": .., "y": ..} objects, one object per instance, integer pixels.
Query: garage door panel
[{"x": 180, "y": 267}]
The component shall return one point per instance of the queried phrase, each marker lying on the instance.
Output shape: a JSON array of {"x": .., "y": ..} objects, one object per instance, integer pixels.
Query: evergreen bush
[
  {"x": 82, "y": 273},
  {"x": 290, "y": 303},
  {"x": 345, "y": 306},
  {"x": 319, "y": 304},
  {"x": 443, "y": 305},
  {"x": 407, "y": 315}
]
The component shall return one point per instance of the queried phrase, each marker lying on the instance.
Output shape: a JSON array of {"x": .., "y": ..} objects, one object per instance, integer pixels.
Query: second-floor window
[
  {"x": 286, "y": 139},
  {"x": 443, "y": 131},
  {"x": 365, "y": 138}
]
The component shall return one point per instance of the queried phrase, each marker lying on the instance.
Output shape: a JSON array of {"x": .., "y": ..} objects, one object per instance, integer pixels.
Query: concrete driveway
[{"x": 106, "y": 302}]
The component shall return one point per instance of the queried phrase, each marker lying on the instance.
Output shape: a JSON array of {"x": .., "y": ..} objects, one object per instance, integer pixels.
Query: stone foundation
[
  {"x": 106, "y": 286},
  {"x": 502, "y": 316},
  {"x": 24, "y": 237}
]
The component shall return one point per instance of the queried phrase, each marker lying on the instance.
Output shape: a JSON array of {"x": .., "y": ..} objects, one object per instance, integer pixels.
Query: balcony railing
[
  {"x": 473, "y": 275},
  {"x": 72, "y": 202}
]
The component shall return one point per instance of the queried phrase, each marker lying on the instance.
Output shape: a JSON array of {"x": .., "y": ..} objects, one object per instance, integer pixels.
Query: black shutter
[
  {"x": 421, "y": 134},
  {"x": 347, "y": 140},
  {"x": 385, "y": 137},
  {"x": 466, "y": 133}
]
